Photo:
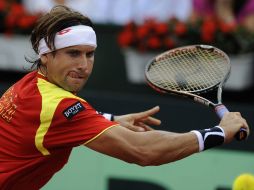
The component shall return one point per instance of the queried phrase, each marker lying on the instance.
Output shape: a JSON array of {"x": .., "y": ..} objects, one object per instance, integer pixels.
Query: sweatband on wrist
[
  {"x": 71, "y": 36},
  {"x": 208, "y": 138},
  {"x": 108, "y": 116}
]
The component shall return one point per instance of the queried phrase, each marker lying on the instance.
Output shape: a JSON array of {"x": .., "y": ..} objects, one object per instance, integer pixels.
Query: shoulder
[
  {"x": 52, "y": 92},
  {"x": 54, "y": 98}
]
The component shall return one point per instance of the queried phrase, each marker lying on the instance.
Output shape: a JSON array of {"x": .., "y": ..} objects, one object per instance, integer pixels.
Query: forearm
[
  {"x": 160, "y": 147},
  {"x": 145, "y": 148}
]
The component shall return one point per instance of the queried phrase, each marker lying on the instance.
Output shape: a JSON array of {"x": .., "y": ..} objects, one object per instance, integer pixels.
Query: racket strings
[
  {"x": 189, "y": 70},
  {"x": 214, "y": 71}
]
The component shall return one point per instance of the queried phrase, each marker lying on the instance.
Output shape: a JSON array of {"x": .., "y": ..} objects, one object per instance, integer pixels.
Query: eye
[
  {"x": 74, "y": 53},
  {"x": 90, "y": 54}
]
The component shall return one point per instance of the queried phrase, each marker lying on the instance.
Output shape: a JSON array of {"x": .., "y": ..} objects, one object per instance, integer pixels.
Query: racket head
[{"x": 188, "y": 70}]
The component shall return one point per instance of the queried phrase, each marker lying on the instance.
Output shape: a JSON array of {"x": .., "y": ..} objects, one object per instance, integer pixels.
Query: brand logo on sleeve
[{"x": 73, "y": 110}]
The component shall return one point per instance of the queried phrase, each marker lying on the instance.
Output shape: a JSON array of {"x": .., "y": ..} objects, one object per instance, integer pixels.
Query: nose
[{"x": 83, "y": 62}]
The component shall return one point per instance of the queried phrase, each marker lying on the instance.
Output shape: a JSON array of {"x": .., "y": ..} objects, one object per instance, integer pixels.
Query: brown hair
[{"x": 59, "y": 18}]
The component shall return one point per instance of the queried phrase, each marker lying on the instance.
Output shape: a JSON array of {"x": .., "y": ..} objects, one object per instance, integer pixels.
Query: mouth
[{"x": 75, "y": 75}]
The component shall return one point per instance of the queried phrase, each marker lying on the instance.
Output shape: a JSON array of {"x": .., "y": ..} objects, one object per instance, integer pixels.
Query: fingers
[
  {"x": 144, "y": 119},
  {"x": 141, "y": 121},
  {"x": 148, "y": 128},
  {"x": 242, "y": 121},
  {"x": 140, "y": 128},
  {"x": 145, "y": 127},
  {"x": 152, "y": 121},
  {"x": 232, "y": 122},
  {"x": 245, "y": 125},
  {"x": 146, "y": 113},
  {"x": 136, "y": 128},
  {"x": 238, "y": 113}
]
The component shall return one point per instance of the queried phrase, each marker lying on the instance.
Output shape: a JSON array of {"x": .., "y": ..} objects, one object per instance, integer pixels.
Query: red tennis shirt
[{"x": 40, "y": 123}]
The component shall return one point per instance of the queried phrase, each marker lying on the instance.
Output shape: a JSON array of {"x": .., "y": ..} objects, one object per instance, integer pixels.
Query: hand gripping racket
[{"x": 189, "y": 71}]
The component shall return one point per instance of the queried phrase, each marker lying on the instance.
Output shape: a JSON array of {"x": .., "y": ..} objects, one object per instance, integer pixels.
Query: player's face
[{"x": 70, "y": 67}]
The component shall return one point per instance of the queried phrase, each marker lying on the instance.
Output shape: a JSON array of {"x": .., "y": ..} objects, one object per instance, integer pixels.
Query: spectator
[
  {"x": 119, "y": 12},
  {"x": 162, "y": 10},
  {"x": 14, "y": 18},
  {"x": 230, "y": 11},
  {"x": 43, "y": 6}
]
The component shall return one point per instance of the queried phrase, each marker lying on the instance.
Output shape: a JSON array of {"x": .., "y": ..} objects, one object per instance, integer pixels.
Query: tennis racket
[{"x": 189, "y": 71}]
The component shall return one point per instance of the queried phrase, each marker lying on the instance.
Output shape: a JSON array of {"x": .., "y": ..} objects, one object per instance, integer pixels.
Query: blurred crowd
[
  {"x": 148, "y": 23},
  {"x": 18, "y": 16},
  {"x": 118, "y": 12}
]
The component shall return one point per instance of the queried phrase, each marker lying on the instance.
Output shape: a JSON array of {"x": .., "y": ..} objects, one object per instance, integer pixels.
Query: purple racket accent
[{"x": 221, "y": 110}]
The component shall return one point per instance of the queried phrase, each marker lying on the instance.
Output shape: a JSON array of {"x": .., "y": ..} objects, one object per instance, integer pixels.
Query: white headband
[{"x": 75, "y": 35}]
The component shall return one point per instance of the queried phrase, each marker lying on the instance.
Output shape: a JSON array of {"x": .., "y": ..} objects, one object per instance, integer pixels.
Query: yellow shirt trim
[
  {"x": 100, "y": 134},
  {"x": 51, "y": 96}
]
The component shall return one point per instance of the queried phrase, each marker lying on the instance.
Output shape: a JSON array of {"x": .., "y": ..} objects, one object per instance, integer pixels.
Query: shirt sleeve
[{"x": 75, "y": 122}]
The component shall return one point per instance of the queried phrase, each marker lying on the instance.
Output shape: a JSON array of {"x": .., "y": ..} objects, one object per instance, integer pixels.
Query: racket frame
[
  {"x": 194, "y": 95},
  {"x": 218, "y": 107}
]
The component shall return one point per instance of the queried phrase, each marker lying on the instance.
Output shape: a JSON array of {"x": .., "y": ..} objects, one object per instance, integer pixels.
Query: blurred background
[{"x": 129, "y": 33}]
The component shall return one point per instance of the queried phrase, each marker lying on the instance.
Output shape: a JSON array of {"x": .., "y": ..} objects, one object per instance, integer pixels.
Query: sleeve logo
[{"x": 73, "y": 110}]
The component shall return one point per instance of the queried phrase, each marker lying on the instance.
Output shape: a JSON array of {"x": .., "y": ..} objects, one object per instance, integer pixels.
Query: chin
[
  {"x": 74, "y": 86},
  {"x": 77, "y": 88}
]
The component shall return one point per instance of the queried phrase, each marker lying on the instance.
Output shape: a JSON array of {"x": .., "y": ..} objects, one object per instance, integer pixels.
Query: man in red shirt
[{"x": 42, "y": 119}]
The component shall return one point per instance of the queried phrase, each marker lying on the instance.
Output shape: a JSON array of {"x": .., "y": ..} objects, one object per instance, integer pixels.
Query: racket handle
[{"x": 221, "y": 110}]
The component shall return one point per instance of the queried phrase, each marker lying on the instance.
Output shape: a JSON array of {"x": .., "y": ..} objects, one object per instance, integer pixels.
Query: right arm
[
  {"x": 145, "y": 148},
  {"x": 157, "y": 147}
]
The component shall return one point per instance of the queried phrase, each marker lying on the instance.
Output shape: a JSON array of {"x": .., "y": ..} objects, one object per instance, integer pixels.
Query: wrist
[
  {"x": 209, "y": 138},
  {"x": 107, "y": 116}
]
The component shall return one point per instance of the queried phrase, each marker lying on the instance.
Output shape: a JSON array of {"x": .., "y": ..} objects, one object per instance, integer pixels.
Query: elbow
[
  {"x": 147, "y": 157},
  {"x": 144, "y": 158},
  {"x": 143, "y": 162},
  {"x": 147, "y": 161}
]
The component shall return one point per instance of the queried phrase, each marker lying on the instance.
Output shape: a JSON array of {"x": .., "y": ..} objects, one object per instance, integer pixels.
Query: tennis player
[{"x": 42, "y": 118}]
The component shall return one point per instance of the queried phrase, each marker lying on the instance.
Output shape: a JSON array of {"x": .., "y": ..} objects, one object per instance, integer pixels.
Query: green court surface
[{"x": 210, "y": 170}]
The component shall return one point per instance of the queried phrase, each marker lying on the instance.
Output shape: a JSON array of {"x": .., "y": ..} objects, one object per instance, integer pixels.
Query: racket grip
[{"x": 221, "y": 110}]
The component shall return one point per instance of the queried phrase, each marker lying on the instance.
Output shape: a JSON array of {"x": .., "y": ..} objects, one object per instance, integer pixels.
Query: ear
[{"x": 44, "y": 59}]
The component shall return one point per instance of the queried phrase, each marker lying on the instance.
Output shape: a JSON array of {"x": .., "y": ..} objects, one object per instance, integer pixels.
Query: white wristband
[
  {"x": 200, "y": 140},
  {"x": 107, "y": 116},
  {"x": 208, "y": 138}
]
